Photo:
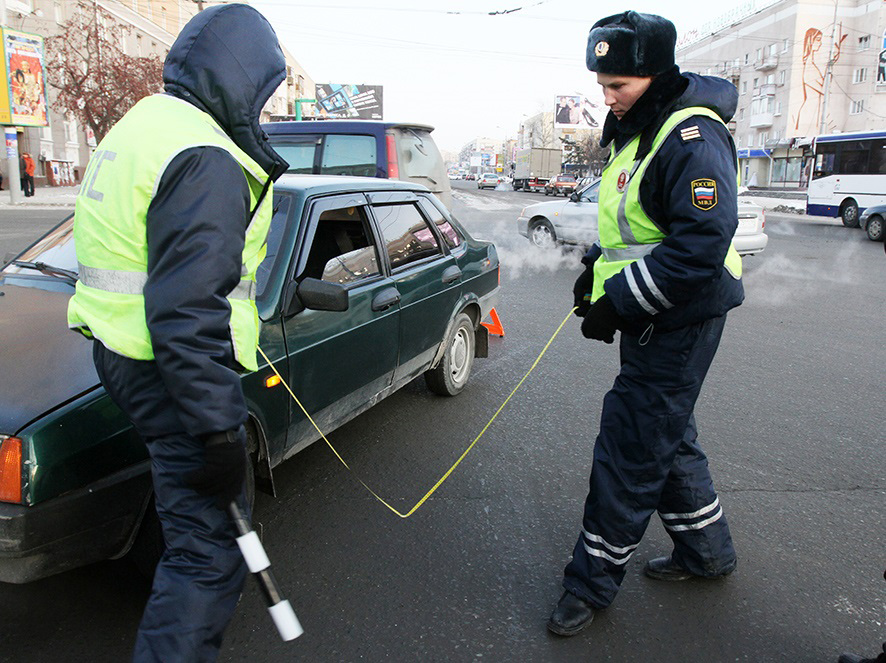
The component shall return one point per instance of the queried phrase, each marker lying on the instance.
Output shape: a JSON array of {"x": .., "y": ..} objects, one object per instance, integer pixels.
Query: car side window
[
  {"x": 450, "y": 235},
  {"x": 591, "y": 194},
  {"x": 406, "y": 234},
  {"x": 342, "y": 250},
  {"x": 348, "y": 155}
]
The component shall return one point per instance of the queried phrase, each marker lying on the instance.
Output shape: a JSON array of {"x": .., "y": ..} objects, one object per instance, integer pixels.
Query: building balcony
[
  {"x": 767, "y": 63},
  {"x": 759, "y": 120},
  {"x": 767, "y": 90}
]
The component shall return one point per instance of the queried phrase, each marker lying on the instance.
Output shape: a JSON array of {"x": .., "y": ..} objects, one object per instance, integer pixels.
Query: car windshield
[{"x": 54, "y": 251}]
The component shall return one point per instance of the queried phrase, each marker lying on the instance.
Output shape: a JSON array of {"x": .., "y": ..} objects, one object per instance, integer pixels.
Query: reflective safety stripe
[
  {"x": 112, "y": 280},
  {"x": 632, "y": 252},
  {"x": 624, "y": 226},
  {"x": 650, "y": 283},
  {"x": 624, "y": 553},
  {"x": 638, "y": 294},
  {"x": 244, "y": 290},
  {"x": 695, "y": 514},
  {"x": 133, "y": 283},
  {"x": 596, "y": 538},
  {"x": 694, "y": 526}
]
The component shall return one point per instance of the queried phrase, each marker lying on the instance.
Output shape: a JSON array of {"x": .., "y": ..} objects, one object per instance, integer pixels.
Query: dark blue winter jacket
[{"x": 688, "y": 265}]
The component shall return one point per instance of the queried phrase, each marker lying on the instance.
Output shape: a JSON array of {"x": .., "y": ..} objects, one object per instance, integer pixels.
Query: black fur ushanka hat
[{"x": 631, "y": 44}]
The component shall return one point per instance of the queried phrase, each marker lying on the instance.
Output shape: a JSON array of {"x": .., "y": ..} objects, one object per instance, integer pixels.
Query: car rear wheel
[
  {"x": 542, "y": 234},
  {"x": 450, "y": 376},
  {"x": 849, "y": 213},
  {"x": 875, "y": 228}
]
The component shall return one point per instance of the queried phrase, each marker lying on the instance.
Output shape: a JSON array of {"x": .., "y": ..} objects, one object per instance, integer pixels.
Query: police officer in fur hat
[{"x": 664, "y": 274}]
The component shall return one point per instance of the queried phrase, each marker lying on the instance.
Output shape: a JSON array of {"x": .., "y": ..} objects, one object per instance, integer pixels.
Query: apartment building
[
  {"x": 64, "y": 146},
  {"x": 802, "y": 68}
]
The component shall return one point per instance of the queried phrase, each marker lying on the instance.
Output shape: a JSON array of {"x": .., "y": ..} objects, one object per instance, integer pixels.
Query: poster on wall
[
  {"x": 363, "y": 102},
  {"x": 25, "y": 83},
  {"x": 572, "y": 111}
]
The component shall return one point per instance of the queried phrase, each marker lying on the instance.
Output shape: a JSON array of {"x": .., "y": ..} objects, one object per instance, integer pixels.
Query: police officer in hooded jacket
[
  {"x": 170, "y": 227},
  {"x": 664, "y": 273}
]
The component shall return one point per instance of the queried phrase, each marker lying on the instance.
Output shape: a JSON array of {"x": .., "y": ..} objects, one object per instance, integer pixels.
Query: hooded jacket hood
[
  {"x": 718, "y": 94},
  {"x": 227, "y": 62}
]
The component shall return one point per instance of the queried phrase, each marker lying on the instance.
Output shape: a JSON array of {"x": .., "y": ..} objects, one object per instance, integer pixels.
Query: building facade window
[
  {"x": 764, "y": 136},
  {"x": 781, "y": 77},
  {"x": 856, "y": 107},
  {"x": 864, "y": 42},
  {"x": 741, "y": 113},
  {"x": 860, "y": 75},
  {"x": 746, "y": 57},
  {"x": 784, "y": 45},
  {"x": 744, "y": 87},
  {"x": 756, "y": 83},
  {"x": 777, "y": 108}
]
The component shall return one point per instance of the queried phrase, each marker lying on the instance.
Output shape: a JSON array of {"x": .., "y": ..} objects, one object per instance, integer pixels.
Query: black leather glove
[
  {"x": 601, "y": 321},
  {"x": 581, "y": 291},
  {"x": 224, "y": 467}
]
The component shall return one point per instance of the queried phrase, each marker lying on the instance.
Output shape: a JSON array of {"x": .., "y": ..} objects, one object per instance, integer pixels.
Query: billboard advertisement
[
  {"x": 25, "y": 102},
  {"x": 573, "y": 111},
  {"x": 363, "y": 102}
]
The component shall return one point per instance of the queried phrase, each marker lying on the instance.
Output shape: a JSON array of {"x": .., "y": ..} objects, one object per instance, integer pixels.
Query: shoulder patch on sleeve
[
  {"x": 704, "y": 193},
  {"x": 690, "y": 133}
]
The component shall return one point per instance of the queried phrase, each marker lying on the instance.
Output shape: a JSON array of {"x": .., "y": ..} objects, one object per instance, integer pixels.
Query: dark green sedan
[{"x": 367, "y": 284}]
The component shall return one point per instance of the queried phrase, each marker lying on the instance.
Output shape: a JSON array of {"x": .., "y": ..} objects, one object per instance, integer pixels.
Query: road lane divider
[{"x": 460, "y": 459}]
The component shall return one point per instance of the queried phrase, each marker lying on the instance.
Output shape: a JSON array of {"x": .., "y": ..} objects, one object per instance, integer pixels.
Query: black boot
[
  {"x": 665, "y": 568},
  {"x": 854, "y": 658},
  {"x": 571, "y": 615}
]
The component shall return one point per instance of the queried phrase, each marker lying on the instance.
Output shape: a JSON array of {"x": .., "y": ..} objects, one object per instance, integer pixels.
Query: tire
[
  {"x": 542, "y": 234},
  {"x": 874, "y": 228},
  {"x": 849, "y": 213},
  {"x": 149, "y": 546},
  {"x": 451, "y": 375},
  {"x": 547, "y": 191}
]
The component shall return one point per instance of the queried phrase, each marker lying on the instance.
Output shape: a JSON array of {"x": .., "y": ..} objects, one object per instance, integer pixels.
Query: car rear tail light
[
  {"x": 763, "y": 216},
  {"x": 393, "y": 165},
  {"x": 11, "y": 470}
]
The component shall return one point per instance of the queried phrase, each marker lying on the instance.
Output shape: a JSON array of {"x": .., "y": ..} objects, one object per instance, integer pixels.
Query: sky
[{"x": 457, "y": 65}]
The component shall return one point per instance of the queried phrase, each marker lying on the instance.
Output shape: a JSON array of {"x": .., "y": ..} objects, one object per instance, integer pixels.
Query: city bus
[{"x": 848, "y": 175}]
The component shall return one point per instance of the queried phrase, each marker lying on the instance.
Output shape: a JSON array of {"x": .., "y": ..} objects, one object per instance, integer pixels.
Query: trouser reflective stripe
[{"x": 133, "y": 283}]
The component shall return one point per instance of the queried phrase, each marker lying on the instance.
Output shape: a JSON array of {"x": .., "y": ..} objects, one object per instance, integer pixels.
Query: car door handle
[
  {"x": 451, "y": 274},
  {"x": 385, "y": 299}
]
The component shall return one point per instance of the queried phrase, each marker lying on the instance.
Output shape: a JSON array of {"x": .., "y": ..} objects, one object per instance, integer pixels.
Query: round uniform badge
[
  {"x": 622, "y": 182},
  {"x": 601, "y": 49}
]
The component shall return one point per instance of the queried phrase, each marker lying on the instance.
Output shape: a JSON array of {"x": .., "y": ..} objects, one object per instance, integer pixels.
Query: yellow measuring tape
[{"x": 460, "y": 459}]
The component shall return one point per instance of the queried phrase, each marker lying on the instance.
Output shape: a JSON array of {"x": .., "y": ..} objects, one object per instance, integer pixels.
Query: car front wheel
[
  {"x": 542, "y": 234},
  {"x": 849, "y": 214},
  {"x": 875, "y": 228},
  {"x": 450, "y": 376}
]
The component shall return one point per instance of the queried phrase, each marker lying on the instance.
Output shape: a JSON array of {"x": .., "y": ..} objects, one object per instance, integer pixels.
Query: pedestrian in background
[
  {"x": 169, "y": 236},
  {"x": 26, "y": 166},
  {"x": 664, "y": 273}
]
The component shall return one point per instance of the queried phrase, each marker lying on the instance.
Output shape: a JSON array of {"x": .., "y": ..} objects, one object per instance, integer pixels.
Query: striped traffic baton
[{"x": 260, "y": 566}]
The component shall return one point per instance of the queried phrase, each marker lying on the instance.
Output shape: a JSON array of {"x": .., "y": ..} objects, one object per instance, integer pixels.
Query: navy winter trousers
[
  {"x": 199, "y": 579},
  {"x": 647, "y": 458}
]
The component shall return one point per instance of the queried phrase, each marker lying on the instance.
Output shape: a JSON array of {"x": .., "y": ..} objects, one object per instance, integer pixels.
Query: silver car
[{"x": 574, "y": 221}]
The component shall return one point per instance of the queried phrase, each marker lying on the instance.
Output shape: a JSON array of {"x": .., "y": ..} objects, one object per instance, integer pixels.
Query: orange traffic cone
[{"x": 494, "y": 327}]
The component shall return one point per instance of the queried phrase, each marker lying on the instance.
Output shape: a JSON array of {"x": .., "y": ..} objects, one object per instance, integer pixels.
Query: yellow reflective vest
[
  {"x": 626, "y": 231},
  {"x": 110, "y": 226}
]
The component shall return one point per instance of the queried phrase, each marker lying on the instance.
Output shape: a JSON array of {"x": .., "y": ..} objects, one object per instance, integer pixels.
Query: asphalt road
[{"x": 791, "y": 417}]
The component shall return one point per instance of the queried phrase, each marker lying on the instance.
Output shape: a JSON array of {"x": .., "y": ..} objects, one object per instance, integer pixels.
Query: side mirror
[
  {"x": 321, "y": 295},
  {"x": 573, "y": 197}
]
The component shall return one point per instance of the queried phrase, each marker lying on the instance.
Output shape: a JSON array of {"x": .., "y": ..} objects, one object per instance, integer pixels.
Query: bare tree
[{"x": 95, "y": 80}]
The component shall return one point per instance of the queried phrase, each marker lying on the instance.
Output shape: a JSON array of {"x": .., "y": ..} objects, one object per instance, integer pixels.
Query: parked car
[
  {"x": 488, "y": 180},
  {"x": 564, "y": 184},
  {"x": 574, "y": 221},
  {"x": 871, "y": 221},
  {"x": 367, "y": 284},
  {"x": 363, "y": 148},
  {"x": 471, "y": 177}
]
